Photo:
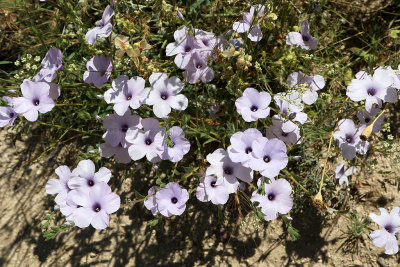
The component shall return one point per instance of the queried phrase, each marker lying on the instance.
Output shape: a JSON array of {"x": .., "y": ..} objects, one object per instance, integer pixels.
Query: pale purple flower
[
  {"x": 164, "y": 94},
  {"x": 94, "y": 206},
  {"x": 388, "y": 71},
  {"x": 197, "y": 69},
  {"x": 171, "y": 200},
  {"x": 149, "y": 142},
  {"x": 98, "y": 70},
  {"x": 7, "y": 116},
  {"x": 180, "y": 14},
  {"x": 275, "y": 200},
  {"x": 372, "y": 89},
  {"x": 248, "y": 25},
  {"x": 366, "y": 118},
  {"x": 391, "y": 226},
  {"x": 126, "y": 93},
  {"x": 183, "y": 47},
  {"x": 307, "y": 85},
  {"x": 253, "y": 105},
  {"x": 120, "y": 152},
  {"x": 117, "y": 127},
  {"x": 150, "y": 203},
  {"x": 60, "y": 186},
  {"x": 104, "y": 27},
  {"x": 290, "y": 105},
  {"x": 225, "y": 169},
  {"x": 284, "y": 130},
  {"x": 179, "y": 147},
  {"x": 341, "y": 173},
  {"x": 36, "y": 98},
  {"x": 85, "y": 175},
  {"x": 302, "y": 39},
  {"x": 269, "y": 156},
  {"x": 51, "y": 63},
  {"x": 348, "y": 139},
  {"x": 240, "y": 148},
  {"x": 206, "y": 40},
  {"x": 218, "y": 194}
]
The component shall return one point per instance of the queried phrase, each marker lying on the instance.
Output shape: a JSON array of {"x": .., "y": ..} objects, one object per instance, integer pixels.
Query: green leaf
[
  {"x": 84, "y": 115},
  {"x": 152, "y": 223},
  {"x": 5, "y": 62},
  {"x": 138, "y": 195},
  {"x": 293, "y": 232}
]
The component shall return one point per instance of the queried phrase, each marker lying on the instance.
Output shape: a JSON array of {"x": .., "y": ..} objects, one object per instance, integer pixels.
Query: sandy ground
[{"x": 194, "y": 239}]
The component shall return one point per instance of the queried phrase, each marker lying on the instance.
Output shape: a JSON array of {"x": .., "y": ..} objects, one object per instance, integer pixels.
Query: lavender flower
[
  {"x": 241, "y": 146},
  {"x": 218, "y": 194},
  {"x": 388, "y": 71},
  {"x": 104, "y": 27},
  {"x": 302, "y": 39},
  {"x": 117, "y": 127},
  {"x": 391, "y": 226},
  {"x": 7, "y": 116},
  {"x": 98, "y": 70},
  {"x": 164, "y": 94},
  {"x": 366, "y": 118},
  {"x": 306, "y": 85},
  {"x": 150, "y": 203},
  {"x": 36, "y": 98},
  {"x": 126, "y": 93},
  {"x": 290, "y": 105},
  {"x": 171, "y": 200},
  {"x": 284, "y": 130},
  {"x": 225, "y": 169},
  {"x": 253, "y": 105},
  {"x": 348, "y": 138},
  {"x": 60, "y": 186},
  {"x": 269, "y": 156},
  {"x": 247, "y": 25},
  {"x": 179, "y": 145},
  {"x": 197, "y": 69},
  {"x": 120, "y": 152},
  {"x": 51, "y": 63},
  {"x": 275, "y": 200},
  {"x": 341, "y": 173},
  {"x": 95, "y": 205},
  {"x": 85, "y": 175}
]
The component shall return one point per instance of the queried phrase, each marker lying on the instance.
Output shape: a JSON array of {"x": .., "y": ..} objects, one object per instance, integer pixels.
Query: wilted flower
[
  {"x": 171, "y": 200},
  {"x": 178, "y": 146},
  {"x": 51, "y": 63},
  {"x": 275, "y": 200},
  {"x": 85, "y": 175},
  {"x": 302, "y": 39},
  {"x": 247, "y": 25},
  {"x": 253, "y": 105},
  {"x": 7, "y": 116},
  {"x": 240, "y": 148},
  {"x": 341, "y": 173},
  {"x": 348, "y": 138},
  {"x": 104, "y": 27},
  {"x": 391, "y": 226},
  {"x": 197, "y": 69},
  {"x": 218, "y": 194},
  {"x": 306, "y": 85},
  {"x": 98, "y": 70}
]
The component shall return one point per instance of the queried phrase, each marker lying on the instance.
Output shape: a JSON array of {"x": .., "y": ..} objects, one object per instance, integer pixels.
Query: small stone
[{"x": 381, "y": 262}]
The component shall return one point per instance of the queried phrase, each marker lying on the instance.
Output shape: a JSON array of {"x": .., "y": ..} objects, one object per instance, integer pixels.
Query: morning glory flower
[
  {"x": 164, "y": 94},
  {"x": 94, "y": 206},
  {"x": 240, "y": 148},
  {"x": 183, "y": 47},
  {"x": 98, "y": 70},
  {"x": 366, "y": 118},
  {"x": 391, "y": 226},
  {"x": 341, "y": 173},
  {"x": 117, "y": 127},
  {"x": 284, "y": 130},
  {"x": 302, "y": 39},
  {"x": 171, "y": 200},
  {"x": 197, "y": 69},
  {"x": 206, "y": 40},
  {"x": 179, "y": 145},
  {"x": 36, "y": 98},
  {"x": 306, "y": 85},
  {"x": 275, "y": 200},
  {"x": 85, "y": 175},
  {"x": 104, "y": 27},
  {"x": 225, "y": 169},
  {"x": 253, "y": 105},
  {"x": 290, "y": 105},
  {"x": 51, "y": 63},
  {"x": 348, "y": 139},
  {"x": 246, "y": 25},
  {"x": 269, "y": 156},
  {"x": 149, "y": 142},
  {"x": 120, "y": 152},
  {"x": 126, "y": 93},
  {"x": 218, "y": 194},
  {"x": 372, "y": 89},
  {"x": 7, "y": 116},
  {"x": 150, "y": 203},
  {"x": 60, "y": 186},
  {"x": 390, "y": 72}
]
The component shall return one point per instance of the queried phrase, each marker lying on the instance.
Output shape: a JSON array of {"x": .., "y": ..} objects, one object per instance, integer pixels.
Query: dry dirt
[{"x": 194, "y": 239}]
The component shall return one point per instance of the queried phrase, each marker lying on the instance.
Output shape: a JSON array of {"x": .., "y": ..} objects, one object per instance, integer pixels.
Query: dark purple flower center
[
  {"x": 124, "y": 128},
  {"x": 205, "y": 42},
  {"x": 199, "y": 65},
  {"x": 148, "y": 141},
  {"x": 174, "y": 200},
  {"x": 187, "y": 49},
  {"x": 213, "y": 184},
  {"x": 96, "y": 207},
  {"x": 248, "y": 150},
  {"x": 36, "y": 102},
  {"x": 267, "y": 159},
  {"x": 164, "y": 96},
  {"x": 367, "y": 120},
  {"x": 12, "y": 114},
  {"x": 271, "y": 196},
  {"x": 305, "y": 38},
  {"x": 254, "y": 108},
  {"x": 284, "y": 134},
  {"x": 67, "y": 187},
  {"x": 228, "y": 171},
  {"x": 349, "y": 139},
  {"x": 90, "y": 183},
  {"x": 128, "y": 97},
  {"x": 371, "y": 91},
  {"x": 389, "y": 228},
  {"x": 292, "y": 116},
  {"x": 172, "y": 144}
]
